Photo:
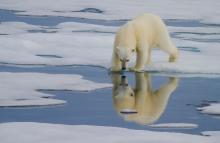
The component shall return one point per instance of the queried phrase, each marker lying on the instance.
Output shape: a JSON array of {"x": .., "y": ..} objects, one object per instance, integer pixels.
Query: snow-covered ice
[
  {"x": 77, "y": 48},
  {"x": 27, "y": 132},
  {"x": 175, "y": 125},
  {"x": 213, "y": 108},
  {"x": 211, "y": 133},
  {"x": 78, "y": 43},
  {"x": 16, "y": 27},
  {"x": 22, "y": 89},
  {"x": 73, "y": 43},
  {"x": 81, "y": 48}
]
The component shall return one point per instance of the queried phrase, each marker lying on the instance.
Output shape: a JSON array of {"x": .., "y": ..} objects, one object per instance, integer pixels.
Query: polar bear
[
  {"x": 141, "y": 104},
  {"x": 140, "y": 35}
]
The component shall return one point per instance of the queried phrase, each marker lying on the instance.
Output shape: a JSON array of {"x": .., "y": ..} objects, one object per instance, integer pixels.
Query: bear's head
[
  {"x": 125, "y": 53},
  {"x": 125, "y": 43}
]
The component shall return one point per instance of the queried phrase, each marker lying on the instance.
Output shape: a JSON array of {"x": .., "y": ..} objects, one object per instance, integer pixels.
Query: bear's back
[{"x": 151, "y": 27}]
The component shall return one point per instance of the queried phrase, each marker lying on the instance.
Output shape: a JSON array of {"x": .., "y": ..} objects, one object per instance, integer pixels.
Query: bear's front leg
[
  {"x": 116, "y": 63},
  {"x": 116, "y": 68},
  {"x": 140, "y": 61}
]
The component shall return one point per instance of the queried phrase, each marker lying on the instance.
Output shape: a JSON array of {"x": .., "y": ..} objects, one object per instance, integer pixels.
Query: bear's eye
[
  {"x": 132, "y": 94},
  {"x": 133, "y": 50}
]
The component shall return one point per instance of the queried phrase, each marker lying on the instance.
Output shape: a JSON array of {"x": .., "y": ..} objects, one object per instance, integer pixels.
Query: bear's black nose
[{"x": 123, "y": 68}]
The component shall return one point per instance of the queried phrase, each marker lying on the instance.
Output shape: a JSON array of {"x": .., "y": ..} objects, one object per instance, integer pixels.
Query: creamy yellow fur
[
  {"x": 140, "y": 35},
  {"x": 148, "y": 104}
]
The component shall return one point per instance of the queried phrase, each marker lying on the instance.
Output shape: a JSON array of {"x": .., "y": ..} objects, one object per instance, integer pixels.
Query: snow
[
  {"x": 194, "y": 30},
  {"x": 16, "y": 27},
  {"x": 211, "y": 133},
  {"x": 200, "y": 37},
  {"x": 203, "y": 10},
  {"x": 22, "y": 89},
  {"x": 77, "y": 27},
  {"x": 81, "y": 48},
  {"x": 27, "y": 132},
  {"x": 77, "y": 43},
  {"x": 213, "y": 108},
  {"x": 175, "y": 125},
  {"x": 72, "y": 47}
]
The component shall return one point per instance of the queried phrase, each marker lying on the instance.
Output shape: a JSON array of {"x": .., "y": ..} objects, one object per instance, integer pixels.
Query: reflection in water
[{"x": 141, "y": 104}]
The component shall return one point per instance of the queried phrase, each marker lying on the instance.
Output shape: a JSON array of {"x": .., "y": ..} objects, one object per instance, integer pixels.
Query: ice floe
[
  {"x": 95, "y": 48},
  {"x": 22, "y": 89},
  {"x": 16, "y": 27},
  {"x": 175, "y": 125},
  {"x": 211, "y": 133},
  {"x": 84, "y": 48},
  {"x": 212, "y": 108},
  {"x": 27, "y": 132},
  {"x": 83, "y": 27}
]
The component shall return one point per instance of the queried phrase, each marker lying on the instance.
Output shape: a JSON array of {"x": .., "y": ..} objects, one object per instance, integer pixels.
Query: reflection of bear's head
[
  {"x": 141, "y": 104},
  {"x": 123, "y": 94}
]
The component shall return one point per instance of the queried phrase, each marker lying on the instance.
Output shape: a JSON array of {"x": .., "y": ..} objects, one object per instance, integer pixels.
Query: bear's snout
[
  {"x": 123, "y": 65},
  {"x": 123, "y": 62}
]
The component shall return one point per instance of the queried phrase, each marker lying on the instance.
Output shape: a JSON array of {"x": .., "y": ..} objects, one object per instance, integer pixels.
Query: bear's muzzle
[{"x": 123, "y": 62}]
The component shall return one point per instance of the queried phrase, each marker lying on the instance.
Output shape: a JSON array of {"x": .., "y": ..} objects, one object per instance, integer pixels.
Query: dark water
[
  {"x": 97, "y": 108},
  {"x": 10, "y": 15}
]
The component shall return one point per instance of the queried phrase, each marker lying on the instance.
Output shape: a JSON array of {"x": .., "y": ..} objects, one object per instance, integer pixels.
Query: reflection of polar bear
[
  {"x": 141, "y": 105},
  {"x": 141, "y": 35}
]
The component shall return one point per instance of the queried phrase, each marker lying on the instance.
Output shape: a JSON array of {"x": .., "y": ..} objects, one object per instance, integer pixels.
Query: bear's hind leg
[
  {"x": 171, "y": 50},
  {"x": 172, "y": 58},
  {"x": 173, "y": 55}
]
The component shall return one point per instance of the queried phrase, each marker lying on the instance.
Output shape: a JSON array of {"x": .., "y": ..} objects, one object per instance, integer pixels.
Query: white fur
[
  {"x": 122, "y": 53},
  {"x": 145, "y": 32}
]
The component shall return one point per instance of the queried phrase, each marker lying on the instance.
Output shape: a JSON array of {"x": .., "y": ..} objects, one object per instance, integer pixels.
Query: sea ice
[
  {"x": 21, "y": 89},
  {"x": 27, "y": 132},
  {"x": 175, "y": 125},
  {"x": 213, "y": 108},
  {"x": 84, "y": 48}
]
